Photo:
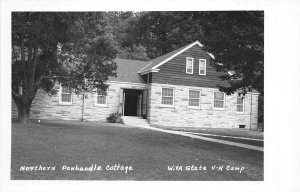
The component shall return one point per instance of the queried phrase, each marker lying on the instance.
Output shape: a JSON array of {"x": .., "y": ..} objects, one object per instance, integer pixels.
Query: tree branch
[
  {"x": 38, "y": 82},
  {"x": 23, "y": 63},
  {"x": 33, "y": 65},
  {"x": 16, "y": 94},
  {"x": 30, "y": 51},
  {"x": 14, "y": 53}
]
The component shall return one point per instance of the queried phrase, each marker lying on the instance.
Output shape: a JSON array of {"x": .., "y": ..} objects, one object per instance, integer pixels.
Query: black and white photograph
[
  {"x": 137, "y": 95},
  {"x": 141, "y": 95}
]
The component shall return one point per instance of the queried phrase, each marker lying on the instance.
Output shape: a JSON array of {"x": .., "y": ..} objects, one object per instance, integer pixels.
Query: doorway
[{"x": 132, "y": 102}]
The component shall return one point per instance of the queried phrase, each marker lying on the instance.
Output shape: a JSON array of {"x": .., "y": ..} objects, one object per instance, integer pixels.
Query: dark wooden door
[{"x": 130, "y": 105}]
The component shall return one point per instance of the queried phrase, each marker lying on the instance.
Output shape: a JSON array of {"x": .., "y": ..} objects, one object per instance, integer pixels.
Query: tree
[
  {"x": 236, "y": 39},
  {"x": 121, "y": 23},
  {"x": 135, "y": 52},
  {"x": 158, "y": 32},
  {"x": 75, "y": 49}
]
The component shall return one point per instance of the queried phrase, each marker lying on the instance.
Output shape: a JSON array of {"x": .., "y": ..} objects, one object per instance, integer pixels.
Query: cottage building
[{"x": 178, "y": 89}]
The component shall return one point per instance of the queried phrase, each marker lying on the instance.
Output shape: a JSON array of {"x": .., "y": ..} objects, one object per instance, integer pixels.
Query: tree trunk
[
  {"x": 24, "y": 114},
  {"x": 23, "y": 109}
]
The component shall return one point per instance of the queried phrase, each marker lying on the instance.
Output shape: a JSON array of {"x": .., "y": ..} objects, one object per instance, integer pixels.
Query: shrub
[{"x": 115, "y": 118}]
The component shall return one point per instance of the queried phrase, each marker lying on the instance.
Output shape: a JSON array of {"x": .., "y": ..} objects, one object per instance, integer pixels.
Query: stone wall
[
  {"x": 46, "y": 107},
  {"x": 182, "y": 116},
  {"x": 114, "y": 101}
]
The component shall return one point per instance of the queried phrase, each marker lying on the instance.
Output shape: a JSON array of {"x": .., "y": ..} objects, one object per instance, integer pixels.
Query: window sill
[
  {"x": 219, "y": 109},
  {"x": 167, "y": 106},
  {"x": 68, "y": 104},
  {"x": 240, "y": 113},
  {"x": 197, "y": 108},
  {"x": 102, "y": 106}
]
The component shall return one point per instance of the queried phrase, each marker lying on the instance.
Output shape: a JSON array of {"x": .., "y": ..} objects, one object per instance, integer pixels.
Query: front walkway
[{"x": 197, "y": 136}]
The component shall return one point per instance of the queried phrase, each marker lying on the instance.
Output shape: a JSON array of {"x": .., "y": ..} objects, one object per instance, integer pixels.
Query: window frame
[
  {"x": 173, "y": 97},
  {"x": 60, "y": 96},
  {"x": 186, "y": 65},
  {"x": 106, "y": 99},
  {"x": 195, "y": 107},
  {"x": 243, "y": 104},
  {"x": 218, "y": 108},
  {"x": 204, "y": 66}
]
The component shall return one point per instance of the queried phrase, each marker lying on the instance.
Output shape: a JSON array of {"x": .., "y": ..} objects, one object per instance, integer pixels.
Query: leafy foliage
[
  {"x": 121, "y": 23},
  {"x": 159, "y": 32},
  {"x": 87, "y": 59},
  {"x": 115, "y": 118},
  {"x": 236, "y": 40},
  {"x": 76, "y": 49},
  {"x": 34, "y": 45},
  {"x": 135, "y": 52}
]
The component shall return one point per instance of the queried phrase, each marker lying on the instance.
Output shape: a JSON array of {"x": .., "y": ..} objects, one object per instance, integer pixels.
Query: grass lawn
[{"x": 58, "y": 144}]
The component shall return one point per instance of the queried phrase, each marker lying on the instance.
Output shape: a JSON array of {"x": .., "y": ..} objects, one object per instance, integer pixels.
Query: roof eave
[
  {"x": 178, "y": 53},
  {"x": 148, "y": 71},
  {"x": 154, "y": 69}
]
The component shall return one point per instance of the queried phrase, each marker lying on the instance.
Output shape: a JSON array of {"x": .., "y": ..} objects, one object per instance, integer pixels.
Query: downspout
[
  {"x": 251, "y": 113},
  {"x": 147, "y": 95}
]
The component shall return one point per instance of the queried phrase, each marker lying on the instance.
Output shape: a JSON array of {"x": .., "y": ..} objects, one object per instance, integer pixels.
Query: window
[
  {"x": 167, "y": 97},
  {"x": 194, "y": 98},
  {"x": 219, "y": 100},
  {"x": 189, "y": 65},
  {"x": 66, "y": 95},
  {"x": 240, "y": 105},
  {"x": 101, "y": 98},
  {"x": 202, "y": 66}
]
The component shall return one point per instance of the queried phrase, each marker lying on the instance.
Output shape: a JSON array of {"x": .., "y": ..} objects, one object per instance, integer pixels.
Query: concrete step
[{"x": 135, "y": 121}]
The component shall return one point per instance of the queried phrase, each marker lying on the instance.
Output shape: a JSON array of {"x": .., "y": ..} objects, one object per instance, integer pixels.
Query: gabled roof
[
  {"x": 127, "y": 70},
  {"x": 131, "y": 70},
  {"x": 156, "y": 62}
]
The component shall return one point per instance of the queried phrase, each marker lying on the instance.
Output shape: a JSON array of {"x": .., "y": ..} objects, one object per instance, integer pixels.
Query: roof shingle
[{"x": 127, "y": 70}]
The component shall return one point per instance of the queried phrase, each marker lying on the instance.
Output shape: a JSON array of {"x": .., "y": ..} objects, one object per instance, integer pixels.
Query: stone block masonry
[
  {"x": 181, "y": 115},
  {"x": 46, "y": 107}
]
